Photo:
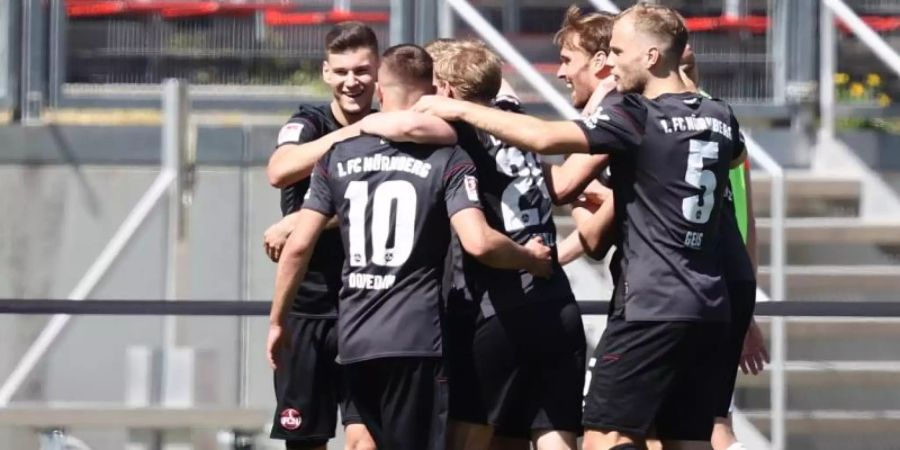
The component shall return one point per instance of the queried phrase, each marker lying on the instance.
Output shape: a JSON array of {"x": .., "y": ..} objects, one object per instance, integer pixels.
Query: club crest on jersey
[
  {"x": 598, "y": 115},
  {"x": 291, "y": 419},
  {"x": 290, "y": 133},
  {"x": 471, "y": 188}
]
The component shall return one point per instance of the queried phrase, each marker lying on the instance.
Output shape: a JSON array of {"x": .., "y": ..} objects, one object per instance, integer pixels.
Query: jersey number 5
[
  {"x": 404, "y": 219},
  {"x": 698, "y": 208}
]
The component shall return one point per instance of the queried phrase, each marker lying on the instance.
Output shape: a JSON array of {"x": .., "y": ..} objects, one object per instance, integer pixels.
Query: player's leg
[
  {"x": 467, "y": 435},
  {"x": 743, "y": 304},
  {"x": 306, "y": 411},
  {"x": 510, "y": 443},
  {"x": 468, "y": 428},
  {"x": 412, "y": 403},
  {"x": 636, "y": 365},
  {"x": 555, "y": 440},
  {"x": 686, "y": 418},
  {"x": 357, "y": 437},
  {"x": 557, "y": 385}
]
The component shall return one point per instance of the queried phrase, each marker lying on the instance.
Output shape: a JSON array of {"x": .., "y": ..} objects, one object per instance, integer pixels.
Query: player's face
[
  {"x": 576, "y": 70},
  {"x": 352, "y": 76},
  {"x": 628, "y": 57}
]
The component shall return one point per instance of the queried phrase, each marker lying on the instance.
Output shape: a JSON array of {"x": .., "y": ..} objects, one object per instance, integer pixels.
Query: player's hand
[
  {"x": 274, "y": 343},
  {"x": 443, "y": 107},
  {"x": 275, "y": 237},
  {"x": 754, "y": 356},
  {"x": 596, "y": 193},
  {"x": 542, "y": 258}
]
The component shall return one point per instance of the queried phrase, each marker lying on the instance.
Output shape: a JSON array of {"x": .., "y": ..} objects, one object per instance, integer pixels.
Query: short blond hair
[
  {"x": 439, "y": 47},
  {"x": 593, "y": 30},
  {"x": 662, "y": 22},
  {"x": 470, "y": 68}
]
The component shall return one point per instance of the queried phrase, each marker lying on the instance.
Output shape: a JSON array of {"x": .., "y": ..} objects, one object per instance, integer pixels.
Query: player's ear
[
  {"x": 326, "y": 70},
  {"x": 652, "y": 57},
  {"x": 598, "y": 62},
  {"x": 379, "y": 95}
]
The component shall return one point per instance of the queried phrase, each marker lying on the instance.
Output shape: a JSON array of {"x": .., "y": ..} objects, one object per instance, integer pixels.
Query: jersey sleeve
[
  {"x": 616, "y": 126},
  {"x": 507, "y": 102},
  {"x": 302, "y": 127},
  {"x": 319, "y": 196},
  {"x": 740, "y": 146},
  {"x": 460, "y": 183}
]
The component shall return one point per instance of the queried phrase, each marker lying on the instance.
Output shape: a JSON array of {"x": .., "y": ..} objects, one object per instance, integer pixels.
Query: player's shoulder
[{"x": 507, "y": 102}]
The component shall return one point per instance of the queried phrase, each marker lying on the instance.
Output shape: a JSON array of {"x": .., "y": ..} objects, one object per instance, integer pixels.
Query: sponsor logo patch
[
  {"x": 597, "y": 116},
  {"x": 290, "y": 133},
  {"x": 290, "y": 419},
  {"x": 471, "y": 188}
]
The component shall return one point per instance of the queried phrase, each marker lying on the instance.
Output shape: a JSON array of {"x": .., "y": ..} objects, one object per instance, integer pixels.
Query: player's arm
[
  {"x": 293, "y": 161},
  {"x": 518, "y": 130},
  {"x": 567, "y": 181},
  {"x": 277, "y": 235},
  {"x": 409, "y": 126},
  {"x": 596, "y": 230},
  {"x": 291, "y": 269},
  {"x": 495, "y": 249}
]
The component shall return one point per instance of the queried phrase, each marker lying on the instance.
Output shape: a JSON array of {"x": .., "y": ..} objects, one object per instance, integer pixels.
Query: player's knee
[{"x": 365, "y": 443}]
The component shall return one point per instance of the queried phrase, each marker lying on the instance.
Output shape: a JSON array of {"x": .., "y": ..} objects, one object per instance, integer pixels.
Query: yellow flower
[
  {"x": 841, "y": 78},
  {"x": 884, "y": 100},
  {"x": 873, "y": 80},
  {"x": 857, "y": 90}
]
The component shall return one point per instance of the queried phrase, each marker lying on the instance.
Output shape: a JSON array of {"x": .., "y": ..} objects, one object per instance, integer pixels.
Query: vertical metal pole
[
  {"x": 34, "y": 55},
  {"x": 512, "y": 16},
  {"x": 446, "y": 20},
  {"x": 175, "y": 159},
  {"x": 341, "y": 5},
  {"x": 778, "y": 48},
  {"x": 9, "y": 53},
  {"x": 827, "y": 67},
  {"x": 731, "y": 8},
  {"x": 778, "y": 389},
  {"x": 426, "y": 21},
  {"x": 243, "y": 340},
  {"x": 57, "y": 60},
  {"x": 401, "y": 25}
]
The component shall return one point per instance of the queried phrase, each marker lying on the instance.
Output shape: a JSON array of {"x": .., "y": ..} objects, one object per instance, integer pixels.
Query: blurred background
[{"x": 108, "y": 191}]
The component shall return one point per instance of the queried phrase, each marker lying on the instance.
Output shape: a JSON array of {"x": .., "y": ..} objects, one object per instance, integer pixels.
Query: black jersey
[
  {"x": 669, "y": 161},
  {"x": 517, "y": 204},
  {"x": 318, "y": 293},
  {"x": 393, "y": 201},
  {"x": 736, "y": 263}
]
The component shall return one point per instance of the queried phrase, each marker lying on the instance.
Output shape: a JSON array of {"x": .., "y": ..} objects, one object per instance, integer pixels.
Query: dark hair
[
  {"x": 593, "y": 30},
  {"x": 409, "y": 63},
  {"x": 350, "y": 36}
]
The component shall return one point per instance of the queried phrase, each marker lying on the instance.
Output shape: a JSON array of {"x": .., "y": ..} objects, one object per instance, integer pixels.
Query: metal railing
[{"x": 177, "y": 166}]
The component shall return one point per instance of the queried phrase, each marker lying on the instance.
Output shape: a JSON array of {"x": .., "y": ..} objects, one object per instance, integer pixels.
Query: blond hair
[
  {"x": 471, "y": 69},
  {"x": 593, "y": 30},
  {"x": 662, "y": 22}
]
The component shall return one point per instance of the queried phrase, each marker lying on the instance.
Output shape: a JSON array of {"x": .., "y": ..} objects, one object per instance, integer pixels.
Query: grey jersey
[
  {"x": 393, "y": 202},
  {"x": 516, "y": 203},
  {"x": 669, "y": 162}
]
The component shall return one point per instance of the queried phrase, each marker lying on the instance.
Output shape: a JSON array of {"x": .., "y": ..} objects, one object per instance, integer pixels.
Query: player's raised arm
[
  {"x": 409, "y": 126},
  {"x": 567, "y": 181},
  {"x": 519, "y": 130},
  {"x": 296, "y": 155}
]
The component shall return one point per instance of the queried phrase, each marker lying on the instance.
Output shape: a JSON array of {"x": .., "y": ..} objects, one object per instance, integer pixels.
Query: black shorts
[
  {"x": 402, "y": 401},
  {"x": 308, "y": 384},
  {"x": 743, "y": 303},
  {"x": 520, "y": 370},
  {"x": 655, "y": 375}
]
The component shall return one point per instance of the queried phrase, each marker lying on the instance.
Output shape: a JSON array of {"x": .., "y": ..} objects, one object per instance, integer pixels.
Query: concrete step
[
  {"x": 809, "y": 194},
  {"x": 870, "y": 374},
  {"x": 841, "y": 339},
  {"x": 835, "y": 429},
  {"x": 842, "y": 282},
  {"x": 831, "y": 230}
]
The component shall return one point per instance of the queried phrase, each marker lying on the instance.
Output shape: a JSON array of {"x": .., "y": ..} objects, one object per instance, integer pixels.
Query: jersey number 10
[{"x": 404, "y": 219}]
